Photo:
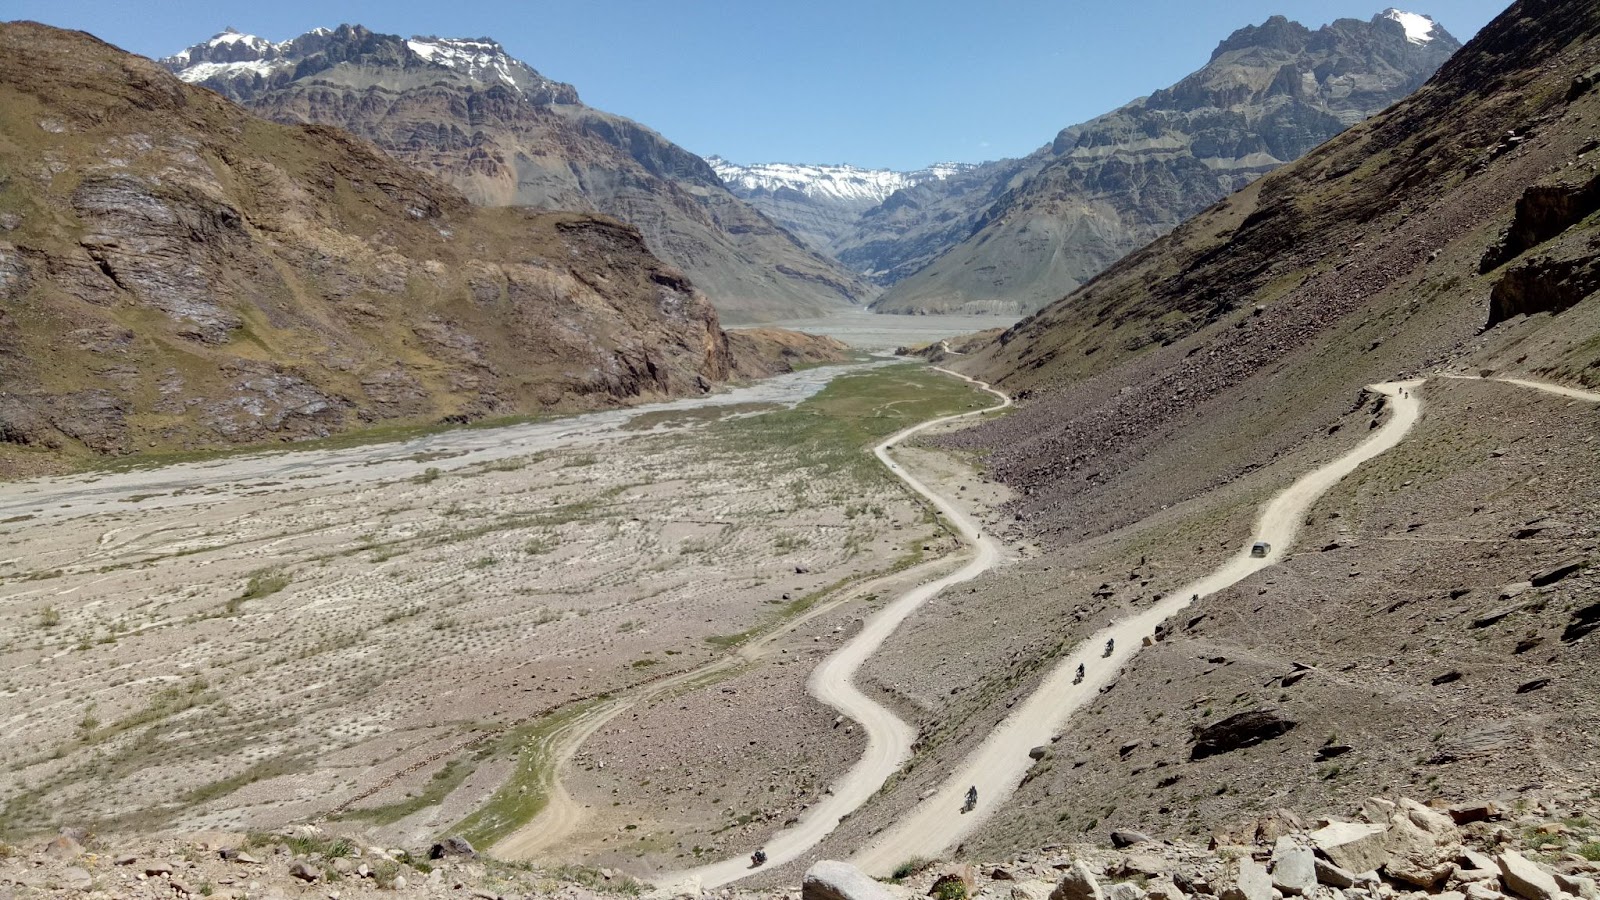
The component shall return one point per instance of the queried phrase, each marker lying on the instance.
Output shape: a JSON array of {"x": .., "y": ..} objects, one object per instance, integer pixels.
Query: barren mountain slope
[
  {"x": 177, "y": 273},
  {"x": 1432, "y": 594},
  {"x": 471, "y": 114},
  {"x": 1101, "y": 189},
  {"x": 1386, "y": 250}
]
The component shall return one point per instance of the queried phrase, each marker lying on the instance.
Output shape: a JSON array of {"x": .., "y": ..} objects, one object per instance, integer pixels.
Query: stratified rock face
[
  {"x": 176, "y": 273},
  {"x": 466, "y": 111},
  {"x": 1102, "y": 189}
]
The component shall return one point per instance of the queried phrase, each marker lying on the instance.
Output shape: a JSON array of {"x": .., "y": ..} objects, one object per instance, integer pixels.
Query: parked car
[{"x": 1260, "y": 549}]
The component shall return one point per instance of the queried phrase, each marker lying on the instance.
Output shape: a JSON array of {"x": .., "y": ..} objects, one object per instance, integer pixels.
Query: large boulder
[
  {"x": 1123, "y": 839},
  {"x": 1438, "y": 825},
  {"x": 1334, "y": 876},
  {"x": 1415, "y": 855},
  {"x": 1240, "y": 730},
  {"x": 1526, "y": 878},
  {"x": 1294, "y": 868},
  {"x": 1250, "y": 882},
  {"x": 962, "y": 874},
  {"x": 452, "y": 846},
  {"x": 1078, "y": 883},
  {"x": 1353, "y": 846},
  {"x": 830, "y": 879}
]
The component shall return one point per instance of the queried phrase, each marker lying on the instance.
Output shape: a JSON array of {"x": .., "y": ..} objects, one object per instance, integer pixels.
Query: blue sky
[{"x": 886, "y": 83}]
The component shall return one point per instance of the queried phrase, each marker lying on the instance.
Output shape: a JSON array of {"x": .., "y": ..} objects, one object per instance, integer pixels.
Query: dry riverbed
[{"x": 385, "y": 648}]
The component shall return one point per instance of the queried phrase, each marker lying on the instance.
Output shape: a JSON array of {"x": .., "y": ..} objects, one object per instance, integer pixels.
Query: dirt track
[
  {"x": 888, "y": 737},
  {"x": 1001, "y": 761}
]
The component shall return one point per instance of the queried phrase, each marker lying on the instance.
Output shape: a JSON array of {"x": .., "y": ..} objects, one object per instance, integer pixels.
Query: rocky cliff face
[
  {"x": 492, "y": 126},
  {"x": 176, "y": 273},
  {"x": 1050, "y": 222}
]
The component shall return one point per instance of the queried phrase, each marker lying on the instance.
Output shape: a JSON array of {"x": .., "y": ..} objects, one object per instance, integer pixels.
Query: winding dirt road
[
  {"x": 888, "y": 738},
  {"x": 998, "y": 765}
]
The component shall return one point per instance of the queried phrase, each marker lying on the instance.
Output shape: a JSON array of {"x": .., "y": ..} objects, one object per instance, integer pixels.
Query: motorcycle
[
  {"x": 1109, "y": 645},
  {"x": 1079, "y": 678},
  {"x": 972, "y": 799},
  {"x": 758, "y": 858}
]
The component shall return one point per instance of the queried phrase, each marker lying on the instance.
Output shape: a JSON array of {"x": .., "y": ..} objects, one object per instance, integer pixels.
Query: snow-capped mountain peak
[
  {"x": 480, "y": 59},
  {"x": 1419, "y": 28},
  {"x": 236, "y": 57},
  {"x": 833, "y": 182}
]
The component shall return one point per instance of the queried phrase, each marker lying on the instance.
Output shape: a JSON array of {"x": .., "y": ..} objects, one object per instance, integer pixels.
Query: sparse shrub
[
  {"x": 951, "y": 889},
  {"x": 909, "y": 868},
  {"x": 1590, "y": 851},
  {"x": 49, "y": 618},
  {"x": 428, "y": 476}
]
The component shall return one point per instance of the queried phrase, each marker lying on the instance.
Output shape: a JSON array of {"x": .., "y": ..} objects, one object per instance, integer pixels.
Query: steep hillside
[
  {"x": 1101, "y": 189},
  {"x": 504, "y": 134},
  {"x": 176, "y": 273},
  {"x": 1432, "y": 626},
  {"x": 821, "y": 204}
]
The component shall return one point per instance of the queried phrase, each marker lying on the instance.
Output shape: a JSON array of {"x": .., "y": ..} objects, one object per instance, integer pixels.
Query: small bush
[
  {"x": 1590, "y": 851},
  {"x": 909, "y": 868}
]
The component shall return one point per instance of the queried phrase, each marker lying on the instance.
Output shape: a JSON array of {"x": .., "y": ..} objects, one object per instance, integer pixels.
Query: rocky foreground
[{"x": 1390, "y": 850}]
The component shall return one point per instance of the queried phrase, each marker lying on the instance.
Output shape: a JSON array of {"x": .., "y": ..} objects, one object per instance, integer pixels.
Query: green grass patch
[
  {"x": 276, "y": 767},
  {"x": 264, "y": 583},
  {"x": 527, "y": 791},
  {"x": 443, "y": 782}
]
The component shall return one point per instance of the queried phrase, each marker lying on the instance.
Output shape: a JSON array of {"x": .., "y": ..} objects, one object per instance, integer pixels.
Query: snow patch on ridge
[
  {"x": 481, "y": 60},
  {"x": 201, "y": 71},
  {"x": 842, "y": 182},
  {"x": 1419, "y": 28}
]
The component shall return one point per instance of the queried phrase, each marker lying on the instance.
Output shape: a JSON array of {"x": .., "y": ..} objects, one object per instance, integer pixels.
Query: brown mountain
[
  {"x": 466, "y": 111},
  {"x": 1430, "y": 630},
  {"x": 177, "y": 273},
  {"x": 1015, "y": 235}
]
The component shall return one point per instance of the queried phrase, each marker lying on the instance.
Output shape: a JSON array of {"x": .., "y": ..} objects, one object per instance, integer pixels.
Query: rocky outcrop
[
  {"x": 1544, "y": 286},
  {"x": 1104, "y": 188},
  {"x": 1240, "y": 730},
  {"x": 503, "y": 134},
  {"x": 758, "y": 352},
  {"x": 204, "y": 278}
]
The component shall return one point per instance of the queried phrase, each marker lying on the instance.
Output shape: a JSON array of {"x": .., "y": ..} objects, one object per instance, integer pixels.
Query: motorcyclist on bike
[
  {"x": 1080, "y": 674},
  {"x": 1110, "y": 643},
  {"x": 972, "y": 799},
  {"x": 758, "y": 858}
]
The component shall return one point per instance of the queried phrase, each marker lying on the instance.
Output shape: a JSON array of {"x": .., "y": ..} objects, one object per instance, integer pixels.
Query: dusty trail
[
  {"x": 998, "y": 765},
  {"x": 889, "y": 739},
  {"x": 1546, "y": 386}
]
